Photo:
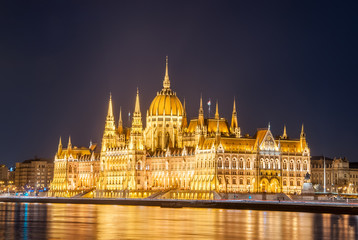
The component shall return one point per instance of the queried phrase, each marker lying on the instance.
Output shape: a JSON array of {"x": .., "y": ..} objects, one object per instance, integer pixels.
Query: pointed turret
[
  {"x": 303, "y": 134},
  {"x": 137, "y": 105},
  {"x": 110, "y": 119},
  {"x": 284, "y": 135},
  {"x": 69, "y": 145},
  {"x": 201, "y": 112},
  {"x": 137, "y": 116},
  {"x": 166, "y": 82},
  {"x": 137, "y": 127},
  {"x": 303, "y": 138},
  {"x": 59, "y": 149},
  {"x": 110, "y": 137},
  {"x": 120, "y": 122},
  {"x": 110, "y": 107},
  {"x": 185, "y": 120},
  {"x": 217, "y": 110},
  {"x": 234, "y": 124}
]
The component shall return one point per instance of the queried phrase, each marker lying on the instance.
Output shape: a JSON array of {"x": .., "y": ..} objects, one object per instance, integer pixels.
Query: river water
[{"x": 85, "y": 221}]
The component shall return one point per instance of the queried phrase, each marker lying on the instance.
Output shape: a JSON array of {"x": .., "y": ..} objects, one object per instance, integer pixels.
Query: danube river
[{"x": 85, "y": 221}]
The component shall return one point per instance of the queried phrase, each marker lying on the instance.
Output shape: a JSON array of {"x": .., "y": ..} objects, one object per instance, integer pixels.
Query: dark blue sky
[{"x": 285, "y": 62}]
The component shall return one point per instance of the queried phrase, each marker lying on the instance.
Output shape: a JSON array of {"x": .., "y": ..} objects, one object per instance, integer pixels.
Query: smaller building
[
  {"x": 340, "y": 176},
  {"x": 4, "y": 176},
  {"x": 34, "y": 174},
  {"x": 353, "y": 177}
]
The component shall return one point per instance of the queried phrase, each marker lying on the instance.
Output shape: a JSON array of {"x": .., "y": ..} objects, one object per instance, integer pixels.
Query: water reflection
[{"x": 64, "y": 221}]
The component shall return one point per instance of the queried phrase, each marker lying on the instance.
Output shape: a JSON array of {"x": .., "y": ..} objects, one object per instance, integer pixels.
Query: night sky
[{"x": 286, "y": 63}]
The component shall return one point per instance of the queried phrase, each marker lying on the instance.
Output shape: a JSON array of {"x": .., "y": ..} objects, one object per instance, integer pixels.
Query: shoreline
[{"x": 262, "y": 205}]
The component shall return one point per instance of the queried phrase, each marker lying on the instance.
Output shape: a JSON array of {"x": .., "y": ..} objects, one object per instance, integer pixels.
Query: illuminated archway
[
  {"x": 264, "y": 185},
  {"x": 274, "y": 186}
]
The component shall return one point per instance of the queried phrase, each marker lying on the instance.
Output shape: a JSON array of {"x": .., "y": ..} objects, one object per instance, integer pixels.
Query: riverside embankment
[{"x": 287, "y": 206}]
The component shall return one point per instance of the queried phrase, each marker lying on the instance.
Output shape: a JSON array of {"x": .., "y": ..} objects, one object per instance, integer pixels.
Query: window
[
  {"x": 305, "y": 165},
  {"x": 139, "y": 166},
  {"x": 241, "y": 164},
  {"x": 241, "y": 181},
  {"x": 248, "y": 164},
  {"x": 248, "y": 181},
  {"x": 291, "y": 165},
  {"x": 227, "y": 164},
  {"x": 234, "y": 164},
  {"x": 220, "y": 164},
  {"x": 234, "y": 181},
  {"x": 284, "y": 165},
  {"x": 284, "y": 183}
]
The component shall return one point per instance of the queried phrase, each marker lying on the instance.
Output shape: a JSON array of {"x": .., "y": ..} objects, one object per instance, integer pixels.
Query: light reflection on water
[{"x": 84, "y": 221}]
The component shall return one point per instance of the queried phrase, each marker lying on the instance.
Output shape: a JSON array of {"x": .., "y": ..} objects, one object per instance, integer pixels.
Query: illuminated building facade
[
  {"x": 175, "y": 158},
  {"x": 341, "y": 176},
  {"x": 35, "y": 174},
  {"x": 76, "y": 170}
]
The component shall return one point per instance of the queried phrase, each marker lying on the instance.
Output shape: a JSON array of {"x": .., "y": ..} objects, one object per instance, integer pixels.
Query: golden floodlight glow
[{"x": 171, "y": 157}]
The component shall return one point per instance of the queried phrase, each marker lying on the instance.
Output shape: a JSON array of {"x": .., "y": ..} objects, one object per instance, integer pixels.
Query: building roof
[{"x": 37, "y": 160}]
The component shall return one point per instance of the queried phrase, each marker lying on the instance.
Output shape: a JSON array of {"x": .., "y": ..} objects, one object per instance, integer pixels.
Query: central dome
[{"x": 166, "y": 102}]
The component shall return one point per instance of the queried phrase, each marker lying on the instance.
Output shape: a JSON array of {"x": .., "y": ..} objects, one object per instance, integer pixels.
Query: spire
[
  {"x": 59, "y": 150},
  {"x": 201, "y": 112},
  {"x": 110, "y": 108},
  {"x": 284, "y": 135},
  {"x": 234, "y": 123},
  {"x": 303, "y": 139},
  {"x": 166, "y": 82},
  {"x": 137, "y": 116},
  {"x": 217, "y": 110},
  {"x": 109, "y": 139},
  {"x": 303, "y": 135},
  {"x": 136, "y": 141},
  {"x": 69, "y": 145},
  {"x": 137, "y": 106},
  {"x": 269, "y": 126},
  {"x": 120, "y": 122}
]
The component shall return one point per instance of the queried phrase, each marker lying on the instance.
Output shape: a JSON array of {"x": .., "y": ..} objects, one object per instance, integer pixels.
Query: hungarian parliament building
[{"x": 174, "y": 157}]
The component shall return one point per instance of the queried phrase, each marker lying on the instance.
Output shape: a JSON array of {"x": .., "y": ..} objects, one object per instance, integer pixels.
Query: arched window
[
  {"x": 291, "y": 165},
  {"x": 227, "y": 163},
  {"x": 248, "y": 164},
  {"x": 298, "y": 167},
  {"x": 234, "y": 181},
  {"x": 284, "y": 167},
  {"x": 241, "y": 164},
  {"x": 304, "y": 165},
  {"x": 139, "y": 166},
  {"x": 234, "y": 164},
  {"x": 220, "y": 163},
  {"x": 241, "y": 181},
  {"x": 262, "y": 164}
]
